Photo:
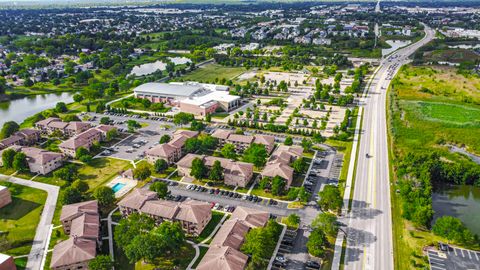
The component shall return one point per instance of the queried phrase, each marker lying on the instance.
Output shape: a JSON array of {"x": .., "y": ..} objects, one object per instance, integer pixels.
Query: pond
[
  {"x": 19, "y": 109},
  {"x": 395, "y": 45},
  {"x": 460, "y": 201},
  {"x": 150, "y": 68}
]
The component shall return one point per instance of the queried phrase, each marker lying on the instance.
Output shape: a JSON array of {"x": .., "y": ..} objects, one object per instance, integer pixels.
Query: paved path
[{"x": 36, "y": 258}]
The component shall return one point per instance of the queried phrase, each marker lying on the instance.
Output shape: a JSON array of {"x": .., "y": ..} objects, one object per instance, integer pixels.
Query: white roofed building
[{"x": 190, "y": 97}]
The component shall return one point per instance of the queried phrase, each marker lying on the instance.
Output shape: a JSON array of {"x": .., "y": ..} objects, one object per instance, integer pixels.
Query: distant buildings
[
  {"x": 193, "y": 215},
  {"x": 82, "y": 222},
  {"x": 23, "y": 137},
  {"x": 195, "y": 98},
  {"x": 235, "y": 173}
]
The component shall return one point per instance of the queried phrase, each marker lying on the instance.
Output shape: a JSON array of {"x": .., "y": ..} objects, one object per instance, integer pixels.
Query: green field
[
  {"x": 428, "y": 107},
  {"x": 211, "y": 72},
  {"x": 19, "y": 219}
]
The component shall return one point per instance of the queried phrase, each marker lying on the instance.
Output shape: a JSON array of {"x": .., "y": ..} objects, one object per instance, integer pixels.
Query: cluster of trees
[
  {"x": 260, "y": 244},
  {"x": 143, "y": 104},
  {"x": 418, "y": 172},
  {"x": 83, "y": 154},
  {"x": 14, "y": 160},
  {"x": 138, "y": 237},
  {"x": 200, "y": 171},
  {"x": 330, "y": 199},
  {"x": 325, "y": 224},
  {"x": 256, "y": 154},
  {"x": 143, "y": 171},
  {"x": 358, "y": 79},
  {"x": 8, "y": 129},
  {"x": 201, "y": 144},
  {"x": 275, "y": 185},
  {"x": 453, "y": 229}
]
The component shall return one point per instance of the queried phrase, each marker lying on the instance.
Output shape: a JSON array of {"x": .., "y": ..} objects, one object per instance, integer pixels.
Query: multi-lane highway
[{"x": 369, "y": 223}]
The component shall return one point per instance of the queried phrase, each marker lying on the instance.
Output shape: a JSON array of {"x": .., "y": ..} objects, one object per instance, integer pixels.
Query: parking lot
[
  {"x": 144, "y": 138},
  {"x": 453, "y": 258}
]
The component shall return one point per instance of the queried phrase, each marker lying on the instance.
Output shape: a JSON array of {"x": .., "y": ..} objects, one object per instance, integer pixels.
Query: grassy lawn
[
  {"x": 203, "y": 250},
  {"x": 211, "y": 72},
  {"x": 428, "y": 107},
  {"x": 260, "y": 192},
  {"x": 216, "y": 218},
  {"x": 167, "y": 262},
  {"x": 220, "y": 115},
  {"x": 101, "y": 170},
  {"x": 57, "y": 236},
  {"x": 20, "y": 218}
]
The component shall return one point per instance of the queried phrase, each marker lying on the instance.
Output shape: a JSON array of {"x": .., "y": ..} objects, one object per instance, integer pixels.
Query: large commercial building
[{"x": 190, "y": 97}]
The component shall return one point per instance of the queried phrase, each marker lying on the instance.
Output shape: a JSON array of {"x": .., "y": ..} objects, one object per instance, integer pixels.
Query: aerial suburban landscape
[{"x": 239, "y": 134}]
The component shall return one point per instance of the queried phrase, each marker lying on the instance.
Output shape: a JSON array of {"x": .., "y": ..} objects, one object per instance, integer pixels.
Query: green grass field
[
  {"x": 19, "y": 219},
  {"x": 211, "y": 72},
  {"x": 424, "y": 121}
]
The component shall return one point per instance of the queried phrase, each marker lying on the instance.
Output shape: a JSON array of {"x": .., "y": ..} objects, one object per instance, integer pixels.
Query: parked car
[{"x": 312, "y": 264}]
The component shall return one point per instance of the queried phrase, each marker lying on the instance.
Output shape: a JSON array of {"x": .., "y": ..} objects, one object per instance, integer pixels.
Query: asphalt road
[
  {"x": 369, "y": 224},
  {"x": 42, "y": 235}
]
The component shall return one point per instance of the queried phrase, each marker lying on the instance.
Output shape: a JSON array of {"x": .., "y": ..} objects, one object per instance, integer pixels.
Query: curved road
[
  {"x": 36, "y": 257},
  {"x": 369, "y": 224}
]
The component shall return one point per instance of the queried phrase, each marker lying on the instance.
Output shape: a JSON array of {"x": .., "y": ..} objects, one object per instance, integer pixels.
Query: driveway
[{"x": 42, "y": 235}]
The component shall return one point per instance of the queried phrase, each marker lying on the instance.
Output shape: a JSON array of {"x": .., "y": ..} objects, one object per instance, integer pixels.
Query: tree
[
  {"x": 101, "y": 262},
  {"x": 256, "y": 154},
  {"x": 207, "y": 142},
  {"x": 77, "y": 98},
  {"x": 142, "y": 172},
  {"x": 183, "y": 118},
  {"x": 81, "y": 151},
  {"x": 67, "y": 173},
  {"x": 20, "y": 162},
  {"x": 216, "y": 171},
  {"x": 306, "y": 144},
  {"x": 316, "y": 243},
  {"x": 8, "y": 129},
  {"x": 293, "y": 220},
  {"x": 61, "y": 107},
  {"x": 70, "y": 118},
  {"x": 453, "y": 229},
  {"x": 288, "y": 141},
  {"x": 3, "y": 85},
  {"x": 299, "y": 165},
  {"x": 165, "y": 138},
  {"x": 228, "y": 151},
  {"x": 330, "y": 199},
  {"x": 111, "y": 134},
  {"x": 132, "y": 125},
  {"x": 197, "y": 125},
  {"x": 104, "y": 195},
  {"x": 278, "y": 185},
  {"x": 260, "y": 243},
  {"x": 192, "y": 145},
  {"x": 105, "y": 120},
  {"x": 160, "y": 165},
  {"x": 161, "y": 188},
  {"x": 198, "y": 170},
  {"x": 82, "y": 186},
  {"x": 7, "y": 158},
  {"x": 327, "y": 222},
  {"x": 70, "y": 195},
  {"x": 128, "y": 228}
]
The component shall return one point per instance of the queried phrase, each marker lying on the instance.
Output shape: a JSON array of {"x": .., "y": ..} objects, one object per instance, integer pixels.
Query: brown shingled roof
[
  {"x": 73, "y": 250},
  {"x": 232, "y": 234},
  {"x": 162, "y": 150},
  {"x": 223, "y": 258},
  {"x": 137, "y": 198},
  {"x": 193, "y": 211},
  {"x": 221, "y": 134},
  {"x": 280, "y": 169},
  {"x": 86, "y": 226},
  {"x": 72, "y": 210},
  {"x": 161, "y": 208},
  {"x": 253, "y": 217},
  {"x": 240, "y": 138}
]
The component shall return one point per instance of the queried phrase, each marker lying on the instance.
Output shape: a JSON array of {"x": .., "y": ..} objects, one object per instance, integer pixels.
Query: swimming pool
[{"x": 117, "y": 187}]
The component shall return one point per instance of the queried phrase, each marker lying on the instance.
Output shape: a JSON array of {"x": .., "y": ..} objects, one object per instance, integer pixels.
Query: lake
[
  {"x": 150, "y": 68},
  {"x": 19, "y": 109},
  {"x": 395, "y": 45},
  {"x": 462, "y": 202}
]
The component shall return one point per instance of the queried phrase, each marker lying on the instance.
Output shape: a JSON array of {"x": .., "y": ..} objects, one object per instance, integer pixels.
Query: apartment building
[
  {"x": 82, "y": 222},
  {"x": 53, "y": 124},
  {"x": 193, "y": 215},
  {"x": 84, "y": 139},
  {"x": 173, "y": 150},
  {"x": 224, "y": 251},
  {"x": 235, "y": 173},
  {"x": 279, "y": 163},
  {"x": 5, "y": 196},
  {"x": 39, "y": 161},
  {"x": 242, "y": 142},
  {"x": 23, "y": 137}
]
